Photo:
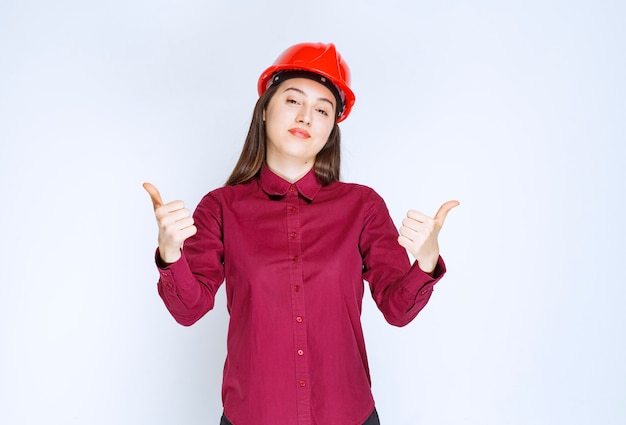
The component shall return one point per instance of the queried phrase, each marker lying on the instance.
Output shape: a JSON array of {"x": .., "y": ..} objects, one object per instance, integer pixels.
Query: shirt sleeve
[
  {"x": 188, "y": 286},
  {"x": 400, "y": 290}
]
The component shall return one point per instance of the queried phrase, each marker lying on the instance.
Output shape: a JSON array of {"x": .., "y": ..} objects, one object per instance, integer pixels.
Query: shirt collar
[{"x": 274, "y": 185}]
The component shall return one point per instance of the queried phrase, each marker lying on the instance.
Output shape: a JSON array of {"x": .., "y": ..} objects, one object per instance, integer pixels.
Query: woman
[{"x": 294, "y": 245}]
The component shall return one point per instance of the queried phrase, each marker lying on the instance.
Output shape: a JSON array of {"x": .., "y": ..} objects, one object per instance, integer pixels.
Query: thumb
[
  {"x": 154, "y": 195},
  {"x": 444, "y": 209}
]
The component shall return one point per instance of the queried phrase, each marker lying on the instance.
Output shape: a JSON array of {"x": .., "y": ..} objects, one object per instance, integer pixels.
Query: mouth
[{"x": 300, "y": 133}]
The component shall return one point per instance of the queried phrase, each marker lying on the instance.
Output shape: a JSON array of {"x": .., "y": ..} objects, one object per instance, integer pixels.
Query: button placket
[{"x": 297, "y": 302}]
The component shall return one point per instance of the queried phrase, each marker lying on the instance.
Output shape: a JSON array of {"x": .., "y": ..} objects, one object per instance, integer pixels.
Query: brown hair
[{"x": 327, "y": 162}]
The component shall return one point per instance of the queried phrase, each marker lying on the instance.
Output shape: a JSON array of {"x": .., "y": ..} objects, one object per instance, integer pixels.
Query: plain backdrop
[{"x": 515, "y": 108}]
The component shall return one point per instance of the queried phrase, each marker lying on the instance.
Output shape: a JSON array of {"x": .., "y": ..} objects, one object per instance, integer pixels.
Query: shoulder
[
  {"x": 354, "y": 189},
  {"x": 225, "y": 193},
  {"x": 217, "y": 199},
  {"x": 349, "y": 192}
]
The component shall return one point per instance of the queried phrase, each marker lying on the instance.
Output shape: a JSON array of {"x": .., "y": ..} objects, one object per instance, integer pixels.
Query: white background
[{"x": 516, "y": 108}]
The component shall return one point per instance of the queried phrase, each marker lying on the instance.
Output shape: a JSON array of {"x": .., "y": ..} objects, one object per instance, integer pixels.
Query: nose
[{"x": 304, "y": 116}]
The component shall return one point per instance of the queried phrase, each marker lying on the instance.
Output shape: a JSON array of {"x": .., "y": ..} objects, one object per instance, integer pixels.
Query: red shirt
[{"x": 294, "y": 258}]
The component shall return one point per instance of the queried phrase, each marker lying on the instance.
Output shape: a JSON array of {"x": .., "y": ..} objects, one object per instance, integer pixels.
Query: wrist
[
  {"x": 168, "y": 257},
  {"x": 427, "y": 266}
]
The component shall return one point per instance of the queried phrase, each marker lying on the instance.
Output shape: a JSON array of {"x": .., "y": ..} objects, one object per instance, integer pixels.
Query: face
[{"x": 298, "y": 121}]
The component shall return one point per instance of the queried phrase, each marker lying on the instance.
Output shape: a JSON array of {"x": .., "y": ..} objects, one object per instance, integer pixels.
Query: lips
[{"x": 300, "y": 133}]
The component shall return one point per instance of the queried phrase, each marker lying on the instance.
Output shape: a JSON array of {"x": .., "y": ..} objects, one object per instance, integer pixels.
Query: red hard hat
[{"x": 319, "y": 58}]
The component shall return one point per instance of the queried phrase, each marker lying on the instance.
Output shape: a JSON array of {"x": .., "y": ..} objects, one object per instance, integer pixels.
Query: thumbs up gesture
[
  {"x": 175, "y": 224},
  {"x": 419, "y": 233}
]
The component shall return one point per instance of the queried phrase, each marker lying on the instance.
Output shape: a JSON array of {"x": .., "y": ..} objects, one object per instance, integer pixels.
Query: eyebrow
[{"x": 304, "y": 93}]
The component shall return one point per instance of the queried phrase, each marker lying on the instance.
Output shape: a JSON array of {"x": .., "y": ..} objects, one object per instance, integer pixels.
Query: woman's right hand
[{"x": 175, "y": 225}]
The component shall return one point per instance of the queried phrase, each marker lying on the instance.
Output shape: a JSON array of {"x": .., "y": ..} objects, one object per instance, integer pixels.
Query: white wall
[{"x": 515, "y": 108}]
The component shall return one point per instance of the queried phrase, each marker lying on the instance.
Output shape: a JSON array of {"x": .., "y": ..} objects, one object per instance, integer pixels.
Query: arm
[
  {"x": 400, "y": 290},
  {"x": 190, "y": 276}
]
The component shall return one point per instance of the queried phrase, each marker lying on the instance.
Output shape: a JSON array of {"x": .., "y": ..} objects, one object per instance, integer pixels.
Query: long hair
[{"x": 327, "y": 162}]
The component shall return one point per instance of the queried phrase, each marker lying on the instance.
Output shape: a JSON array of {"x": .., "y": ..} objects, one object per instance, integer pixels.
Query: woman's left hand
[{"x": 419, "y": 232}]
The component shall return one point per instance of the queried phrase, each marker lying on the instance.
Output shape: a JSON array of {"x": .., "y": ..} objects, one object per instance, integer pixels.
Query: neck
[{"x": 290, "y": 172}]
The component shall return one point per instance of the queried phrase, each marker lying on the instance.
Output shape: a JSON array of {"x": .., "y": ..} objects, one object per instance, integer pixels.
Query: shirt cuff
[
  {"x": 171, "y": 273},
  {"x": 422, "y": 281}
]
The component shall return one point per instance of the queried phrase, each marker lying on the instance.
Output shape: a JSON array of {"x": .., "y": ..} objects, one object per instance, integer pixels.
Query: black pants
[{"x": 372, "y": 420}]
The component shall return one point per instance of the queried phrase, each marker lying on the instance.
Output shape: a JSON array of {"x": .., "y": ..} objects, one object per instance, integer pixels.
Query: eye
[
  {"x": 323, "y": 112},
  {"x": 292, "y": 101}
]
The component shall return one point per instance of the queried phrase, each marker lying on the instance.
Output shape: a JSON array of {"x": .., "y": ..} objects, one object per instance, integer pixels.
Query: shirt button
[
  {"x": 169, "y": 285},
  {"x": 294, "y": 235},
  {"x": 300, "y": 353},
  {"x": 292, "y": 208},
  {"x": 299, "y": 319},
  {"x": 302, "y": 383},
  {"x": 292, "y": 188},
  {"x": 295, "y": 258},
  {"x": 297, "y": 288}
]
